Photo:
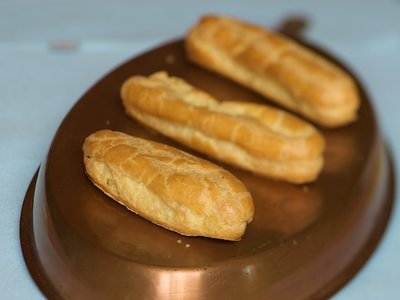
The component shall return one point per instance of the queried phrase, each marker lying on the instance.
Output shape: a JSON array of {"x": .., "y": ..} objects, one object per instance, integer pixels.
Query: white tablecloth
[{"x": 51, "y": 52}]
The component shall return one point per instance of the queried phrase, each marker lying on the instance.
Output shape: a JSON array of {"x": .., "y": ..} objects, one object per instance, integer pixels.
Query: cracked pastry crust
[
  {"x": 169, "y": 187},
  {"x": 276, "y": 67},
  {"x": 259, "y": 138}
]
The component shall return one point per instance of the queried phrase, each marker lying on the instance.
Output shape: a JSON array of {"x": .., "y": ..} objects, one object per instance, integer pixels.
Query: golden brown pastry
[
  {"x": 276, "y": 67},
  {"x": 167, "y": 186},
  {"x": 255, "y": 137}
]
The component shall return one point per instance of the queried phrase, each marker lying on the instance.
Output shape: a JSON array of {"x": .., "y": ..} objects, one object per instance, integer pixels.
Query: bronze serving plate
[{"x": 305, "y": 242}]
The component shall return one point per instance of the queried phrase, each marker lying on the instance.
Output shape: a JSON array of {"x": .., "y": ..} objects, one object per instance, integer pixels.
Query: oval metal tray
[{"x": 305, "y": 241}]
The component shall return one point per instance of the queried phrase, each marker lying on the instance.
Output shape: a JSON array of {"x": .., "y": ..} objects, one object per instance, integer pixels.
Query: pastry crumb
[
  {"x": 170, "y": 59},
  {"x": 187, "y": 245},
  {"x": 179, "y": 241},
  {"x": 305, "y": 188}
]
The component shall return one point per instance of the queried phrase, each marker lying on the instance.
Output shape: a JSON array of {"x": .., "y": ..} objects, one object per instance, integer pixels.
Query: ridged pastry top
[
  {"x": 260, "y": 129},
  {"x": 167, "y": 186},
  {"x": 275, "y": 66},
  {"x": 263, "y": 139}
]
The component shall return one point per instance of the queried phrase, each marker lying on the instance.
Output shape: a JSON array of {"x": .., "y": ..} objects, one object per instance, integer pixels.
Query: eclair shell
[
  {"x": 265, "y": 140},
  {"x": 276, "y": 67},
  {"x": 168, "y": 187}
]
